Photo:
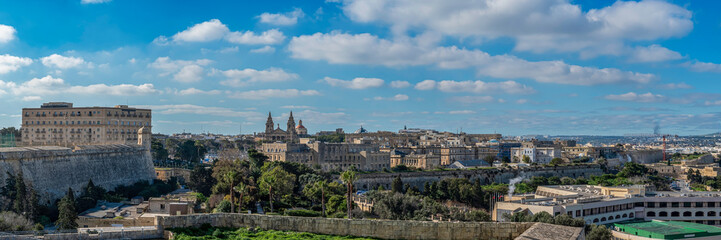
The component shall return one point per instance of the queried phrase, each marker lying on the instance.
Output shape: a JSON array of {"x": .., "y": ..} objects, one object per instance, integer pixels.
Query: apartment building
[{"x": 61, "y": 124}]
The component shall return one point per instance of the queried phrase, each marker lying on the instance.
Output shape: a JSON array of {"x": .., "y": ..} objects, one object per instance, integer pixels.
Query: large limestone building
[
  {"x": 61, "y": 124},
  {"x": 291, "y": 134}
]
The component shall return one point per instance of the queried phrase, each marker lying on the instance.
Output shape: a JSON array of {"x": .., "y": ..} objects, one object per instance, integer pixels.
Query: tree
[
  {"x": 631, "y": 169},
  {"x": 348, "y": 177},
  {"x": 241, "y": 189},
  {"x": 201, "y": 180},
  {"x": 489, "y": 159},
  {"x": 158, "y": 150},
  {"x": 19, "y": 205},
  {"x": 397, "y": 184},
  {"x": 229, "y": 178},
  {"x": 526, "y": 159},
  {"x": 190, "y": 151},
  {"x": 276, "y": 182},
  {"x": 316, "y": 191},
  {"x": 68, "y": 215},
  {"x": 8, "y": 192},
  {"x": 599, "y": 233},
  {"x": 556, "y": 161}
]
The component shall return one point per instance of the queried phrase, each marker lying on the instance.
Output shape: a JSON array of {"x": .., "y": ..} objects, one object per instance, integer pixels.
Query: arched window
[
  {"x": 595, "y": 220},
  {"x": 674, "y": 214},
  {"x": 711, "y": 214},
  {"x": 603, "y": 219},
  {"x": 610, "y": 218},
  {"x": 650, "y": 214},
  {"x": 687, "y": 214},
  {"x": 663, "y": 214},
  {"x": 625, "y": 216},
  {"x": 618, "y": 216},
  {"x": 699, "y": 214},
  {"x": 630, "y": 215}
]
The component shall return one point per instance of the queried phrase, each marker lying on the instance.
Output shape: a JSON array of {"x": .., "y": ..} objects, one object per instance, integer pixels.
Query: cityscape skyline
[{"x": 565, "y": 68}]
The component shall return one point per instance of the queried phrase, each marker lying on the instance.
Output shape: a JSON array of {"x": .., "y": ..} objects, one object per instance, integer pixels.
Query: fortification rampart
[
  {"x": 383, "y": 229},
  {"x": 487, "y": 175},
  {"x": 52, "y": 170}
]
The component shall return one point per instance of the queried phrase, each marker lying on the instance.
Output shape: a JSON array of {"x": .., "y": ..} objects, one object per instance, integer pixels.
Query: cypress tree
[
  {"x": 20, "y": 204},
  {"x": 397, "y": 185},
  {"x": 67, "y": 216}
]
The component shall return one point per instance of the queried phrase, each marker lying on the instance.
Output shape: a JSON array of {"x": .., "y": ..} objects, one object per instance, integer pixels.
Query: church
[{"x": 291, "y": 134}]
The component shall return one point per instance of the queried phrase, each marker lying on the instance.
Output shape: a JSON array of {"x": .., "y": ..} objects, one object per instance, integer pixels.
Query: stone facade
[
  {"x": 382, "y": 229},
  {"x": 61, "y": 124},
  {"x": 51, "y": 170},
  {"x": 329, "y": 156}
]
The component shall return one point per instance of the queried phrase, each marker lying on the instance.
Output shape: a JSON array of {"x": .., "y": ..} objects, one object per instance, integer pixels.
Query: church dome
[
  {"x": 361, "y": 130},
  {"x": 300, "y": 125}
]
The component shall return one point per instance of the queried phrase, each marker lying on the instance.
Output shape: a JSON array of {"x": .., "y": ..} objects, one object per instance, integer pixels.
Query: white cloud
[
  {"x": 400, "y": 84},
  {"x": 283, "y": 19},
  {"x": 461, "y": 112},
  {"x": 49, "y": 85},
  {"x": 477, "y": 86},
  {"x": 266, "y": 49},
  {"x": 654, "y": 53},
  {"x": 536, "y": 25},
  {"x": 7, "y": 33},
  {"x": 297, "y": 107},
  {"x": 522, "y": 101},
  {"x": 94, "y": 1},
  {"x": 703, "y": 66},
  {"x": 473, "y": 99},
  {"x": 397, "y": 97},
  {"x": 634, "y": 97},
  {"x": 195, "y": 91},
  {"x": 426, "y": 85},
  {"x": 62, "y": 62},
  {"x": 182, "y": 70},
  {"x": 189, "y": 73},
  {"x": 10, "y": 63},
  {"x": 272, "y": 36},
  {"x": 199, "y": 110},
  {"x": 31, "y": 98},
  {"x": 676, "y": 86},
  {"x": 341, "y": 48},
  {"x": 238, "y": 78},
  {"x": 356, "y": 83},
  {"x": 273, "y": 93},
  {"x": 203, "y": 32}
]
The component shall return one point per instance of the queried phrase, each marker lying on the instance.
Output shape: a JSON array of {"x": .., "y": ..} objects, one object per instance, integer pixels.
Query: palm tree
[
  {"x": 230, "y": 178},
  {"x": 242, "y": 189},
  {"x": 348, "y": 177},
  {"x": 322, "y": 184}
]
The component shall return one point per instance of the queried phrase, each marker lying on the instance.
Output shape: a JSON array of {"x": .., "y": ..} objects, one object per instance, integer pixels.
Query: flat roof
[{"x": 667, "y": 229}]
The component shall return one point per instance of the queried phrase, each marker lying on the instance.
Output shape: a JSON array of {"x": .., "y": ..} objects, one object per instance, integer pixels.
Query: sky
[{"x": 513, "y": 67}]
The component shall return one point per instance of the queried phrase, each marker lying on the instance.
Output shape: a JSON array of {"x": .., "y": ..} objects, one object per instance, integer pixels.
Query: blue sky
[{"x": 514, "y": 67}]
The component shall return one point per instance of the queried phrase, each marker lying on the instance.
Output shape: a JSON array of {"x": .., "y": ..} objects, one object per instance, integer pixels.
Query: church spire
[
  {"x": 269, "y": 124},
  {"x": 291, "y": 123}
]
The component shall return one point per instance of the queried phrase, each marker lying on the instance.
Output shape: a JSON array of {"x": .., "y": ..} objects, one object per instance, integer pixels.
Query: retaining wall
[{"x": 383, "y": 229}]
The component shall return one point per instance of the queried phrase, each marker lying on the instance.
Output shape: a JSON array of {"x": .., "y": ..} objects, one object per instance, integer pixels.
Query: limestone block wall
[
  {"x": 52, "y": 170},
  {"x": 487, "y": 176},
  {"x": 383, "y": 229}
]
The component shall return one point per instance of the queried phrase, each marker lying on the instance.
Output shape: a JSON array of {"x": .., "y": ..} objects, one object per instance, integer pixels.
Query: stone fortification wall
[
  {"x": 383, "y": 229},
  {"x": 644, "y": 156},
  {"x": 52, "y": 170},
  {"x": 487, "y": 176}
]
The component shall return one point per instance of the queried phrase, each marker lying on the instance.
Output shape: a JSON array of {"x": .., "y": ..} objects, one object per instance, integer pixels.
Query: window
[
  {"x": 651, "y": 214},
  {"x": 686, "y": 204},
  {"x": 686, "y": 214},
  {"x": 674, "y": 214},
  {"x": 699, "y": 214},
  {"x": 711, "y": 204},
  {"x": 674, "y": 205},
  {"x": 699, "y": 204},
  {"x": 651, "y": 205},
  {"x": 662, "y": 204}
]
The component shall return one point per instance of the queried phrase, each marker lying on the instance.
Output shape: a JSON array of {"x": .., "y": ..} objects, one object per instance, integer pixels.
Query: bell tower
[
  {"x": 291, "y": 124},
  {"x": 269, "y": 124}
]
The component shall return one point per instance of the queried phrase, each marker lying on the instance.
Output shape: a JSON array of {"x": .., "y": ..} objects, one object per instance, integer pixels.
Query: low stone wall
[
  {"x": 383, "y": 229},
  {"x": 135, "y": 234},
  {"x": 85, "y": 222}
]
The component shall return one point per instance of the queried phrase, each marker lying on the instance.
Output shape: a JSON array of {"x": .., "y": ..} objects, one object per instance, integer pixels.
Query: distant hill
[{"x": 718, "y": 134}]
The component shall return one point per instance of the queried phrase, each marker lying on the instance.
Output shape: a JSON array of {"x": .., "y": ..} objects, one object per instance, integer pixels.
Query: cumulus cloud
[
  {"x": 238, "y": 78},
  {"x": 400, "y": 84},
  {"x": 634, "y": 97},
  {"x": 537, "y": 25},
  {"x": 698, "y": 66},
  {"x": 49, "y": 85},
  {"x": 62, "y": 62},
  {"x": 182, "y": 70},
  {"x": 266, "y": 49},
  {"x": 195, "y": 91},
  {"x": 654, "y": 53},
  {"x": 397, "y": 97},
  {"x": 214, "y": 30},
  {"x": 356, "y": 83},
  {"x": 7, "y": 33},
  {"x": 10, "y": 63},
  {"x": 203, "y": 32},
  {"x": 283, "y": 19},
  {"x": 342, "y": 48},
  {"x": 477, "y": 86},
  {"x": 31, "y": 98},
  {"x": 273, "y": 93},
  {"x": 189, "y": 73},
  {"x": 272, "y": 36}
]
